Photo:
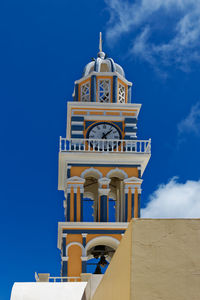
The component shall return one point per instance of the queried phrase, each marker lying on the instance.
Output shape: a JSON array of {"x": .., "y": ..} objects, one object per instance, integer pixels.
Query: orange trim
[
  {"x": 78, "y": 212},
  {"x": 128, "y": 114},
  {"x": 129, "y": 204},
  {"x": 112, "y": 113},
  {"x": 72, "y": 204},
  {"x": 111, "y": 87},
  {"x": 96, "y": 108},
  {"x": 80, "y": 112},
  {"x": 126, "y": 89},
  {"x": 136, "y": 203},
  {"x": 79, "y": 88},
  {"x": 96, "y": 113}
]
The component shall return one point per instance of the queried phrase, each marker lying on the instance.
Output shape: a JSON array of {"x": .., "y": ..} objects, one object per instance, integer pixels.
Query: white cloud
[
  {"x": 191, "y": 124},
  {"x": 174, "y": 200},
  {"x": 145, "y": 19}
]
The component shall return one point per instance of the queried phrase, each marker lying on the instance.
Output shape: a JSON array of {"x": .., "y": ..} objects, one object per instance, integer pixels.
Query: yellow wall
[
  {"x": 158, "y": 259},
  {"x": 115, "y": 284},
  {"x": 74, "y": 261},
  {"x": 77, "y": 170}
]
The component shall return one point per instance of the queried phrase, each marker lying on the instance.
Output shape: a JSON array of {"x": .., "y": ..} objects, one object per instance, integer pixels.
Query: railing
[
  {"x": 64, "y": 279},
  {"x": 105, "y": 145},
  {"x": 45, "y": 277}
]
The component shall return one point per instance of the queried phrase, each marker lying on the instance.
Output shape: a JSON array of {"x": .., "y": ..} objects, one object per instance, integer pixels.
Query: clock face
[{"x": 108, "y": 133}]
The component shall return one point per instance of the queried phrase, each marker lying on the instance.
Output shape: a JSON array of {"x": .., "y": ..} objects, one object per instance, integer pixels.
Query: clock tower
[{"x": 101, "y": 163}]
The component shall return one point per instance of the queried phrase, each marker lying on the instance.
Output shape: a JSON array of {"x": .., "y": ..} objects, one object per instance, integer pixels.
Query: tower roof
[{"x": 102, "y": 63}]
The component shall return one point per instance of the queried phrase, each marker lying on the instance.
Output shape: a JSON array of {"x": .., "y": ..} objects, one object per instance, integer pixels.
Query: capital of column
[
  {"x": 104, "y": 182},
  {"x": 84, "y": 258},
  {"x": 65, "y": 258},
  {"x": 103, "y": 192},
  {"x": 84, "y": 235}
]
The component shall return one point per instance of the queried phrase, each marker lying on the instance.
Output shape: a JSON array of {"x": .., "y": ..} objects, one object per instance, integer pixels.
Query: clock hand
[{"x": 105, "y": 134}]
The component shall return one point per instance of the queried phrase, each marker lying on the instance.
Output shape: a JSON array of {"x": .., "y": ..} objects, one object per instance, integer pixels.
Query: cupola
[{"x": 103, "y": 81}]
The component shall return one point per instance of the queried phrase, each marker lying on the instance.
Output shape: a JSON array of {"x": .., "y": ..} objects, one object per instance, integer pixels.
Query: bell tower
[{"x": 101, "y": 163}]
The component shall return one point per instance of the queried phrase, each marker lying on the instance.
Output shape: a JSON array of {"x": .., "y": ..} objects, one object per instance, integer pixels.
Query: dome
[{"x": 103, "y": 64}]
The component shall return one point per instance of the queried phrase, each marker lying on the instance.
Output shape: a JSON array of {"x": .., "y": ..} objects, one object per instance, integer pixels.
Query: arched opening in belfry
[
  {"x": 90, "y": 199},
  {"x": 116, "y": 196},
  {"x": 99, "y": 253}
]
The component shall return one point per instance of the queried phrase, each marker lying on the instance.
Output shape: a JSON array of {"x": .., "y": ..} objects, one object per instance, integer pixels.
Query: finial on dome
[
  {"x": 100, "y": 42},
  {"x": 101, "y": 54}
]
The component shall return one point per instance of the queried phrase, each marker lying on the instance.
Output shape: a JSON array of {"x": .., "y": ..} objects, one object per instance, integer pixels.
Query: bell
[
  {"x": 103, "y": 261},
  {"x": 98, "y": 270}
]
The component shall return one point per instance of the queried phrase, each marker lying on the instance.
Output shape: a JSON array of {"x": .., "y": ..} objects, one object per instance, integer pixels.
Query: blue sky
[{"x": 44, "y": 47}]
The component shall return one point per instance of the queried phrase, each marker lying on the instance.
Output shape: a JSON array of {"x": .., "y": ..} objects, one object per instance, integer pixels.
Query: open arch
[{"x": 102, "y": 240}]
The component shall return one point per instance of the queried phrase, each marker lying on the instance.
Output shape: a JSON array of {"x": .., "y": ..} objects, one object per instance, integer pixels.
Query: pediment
[
  {"x": 133, "y": 180},
  {"x": 75, "y": 179}
]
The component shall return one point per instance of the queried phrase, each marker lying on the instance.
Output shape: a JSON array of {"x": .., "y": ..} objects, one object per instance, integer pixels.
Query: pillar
[
  {"x": 84, "y": 264},
  {"x": 93, "y": 88},
  {"x": 104, "y": 199}
]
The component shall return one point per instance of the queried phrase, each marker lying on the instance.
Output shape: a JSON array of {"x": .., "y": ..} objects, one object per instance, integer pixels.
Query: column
[
  {"x": 84, "y": 264},
  {"x": 68, "y": 200},
  {"x": 93, "y": 88},
  {"x": 64, "y": 271},
  {"x": 74, "y": 195},
  {"x": 68, "y": 171},
  {"x": 103, "y": 199},
  {"x": 115, "y": 89},
  {"x": 139, "y": 199},
  {"x": 129, "y": 202},
  {"x": 79, "y": 203},
  {"x": 126, "y": 190},
  {"x": 136, "y": 203},
  {"x": 64, "y": 257},
  {"x": 129, "y": 94},
  {"x": 103, "y": 203}
]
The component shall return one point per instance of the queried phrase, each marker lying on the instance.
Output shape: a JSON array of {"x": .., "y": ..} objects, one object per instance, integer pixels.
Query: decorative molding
[
  {"x": 65, "y": 258},
  {"x": 84, "y": 258},
  {"x": 91, "y": 171},
  {"x": 77, "y": 244},
  {"x": 75, "y": 179},
  {"x": 117, "y": 171},
  {"x": 133, "y": 180},
  {"x": 104, "y": 181},
  {"x": 103, "y": 192},
  {"x": 102, "y": 240},
  {"x": 84, "y": 235}
]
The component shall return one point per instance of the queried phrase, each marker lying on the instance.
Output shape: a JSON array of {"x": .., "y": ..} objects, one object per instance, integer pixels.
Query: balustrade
[{"x": 105, "y": 145}]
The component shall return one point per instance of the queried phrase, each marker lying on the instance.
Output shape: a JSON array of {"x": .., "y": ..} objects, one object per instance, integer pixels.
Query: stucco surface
[
  {"x": 165, "y": 259},
  {"x": 157, "y": 259},
  {"x": 116, "y": 281},
  {"x": 48, "y": 291}
]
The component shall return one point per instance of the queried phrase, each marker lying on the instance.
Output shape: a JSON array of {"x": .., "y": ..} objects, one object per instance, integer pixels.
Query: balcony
[{"x": 105, "y": 145}]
